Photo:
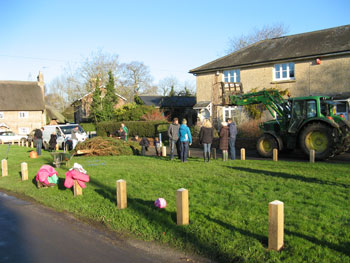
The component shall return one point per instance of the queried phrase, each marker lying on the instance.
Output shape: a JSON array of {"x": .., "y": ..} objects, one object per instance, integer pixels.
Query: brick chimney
[{"x": 41, "y": 83}]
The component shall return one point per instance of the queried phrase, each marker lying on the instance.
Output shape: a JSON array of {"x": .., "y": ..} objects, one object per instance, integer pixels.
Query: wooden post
[
  {"x": 243, "y": 154},
  {"x": 77, "y": 188},
  {"x": 57, "y": 147},
  {"x": 24, "y": 171},
  {"x": 31, "y": 144},
  {"x": 39, "y": 184},
  {"x": 4, "y": 170},
  {"x": 276, "y": 225},
  {"x": 19, "y": 142},
  {"x": 122, "y": 200},
  {"x": 214, "y": 153},
  {"x": 189, "y": 153},
  {"x": 182, "y": 210},
  {"x": 312, "y": 156},
  {"x": 13, "y": 142},
  {"x": 27, "y": 144},
  {"x": 2, "y": 142},
  {"x": 275, "y": 155},
  {"x": 164, "y": 151}
]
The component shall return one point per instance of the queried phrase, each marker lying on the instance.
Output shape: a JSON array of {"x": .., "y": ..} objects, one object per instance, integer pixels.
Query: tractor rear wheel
[
  {"x": 319, "y": 137},
  {"x": 265, "y": 145}
]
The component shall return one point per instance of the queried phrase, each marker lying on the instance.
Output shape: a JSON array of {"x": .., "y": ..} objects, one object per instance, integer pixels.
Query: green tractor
[{"x": 305, "y": 122}]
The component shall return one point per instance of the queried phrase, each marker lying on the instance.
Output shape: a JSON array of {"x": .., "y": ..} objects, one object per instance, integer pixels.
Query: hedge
[
  {"x": 88, "y": 126},
  {"x": 140, "y": 128}
]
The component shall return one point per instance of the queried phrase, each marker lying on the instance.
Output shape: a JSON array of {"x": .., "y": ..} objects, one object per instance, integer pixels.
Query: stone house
[
  {"x": 313, "y": 63},
  {"x": 22, "y": 106},
  {"x": 82, "y": 106}
]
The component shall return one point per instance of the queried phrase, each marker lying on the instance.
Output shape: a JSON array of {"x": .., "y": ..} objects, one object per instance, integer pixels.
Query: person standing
[
  {"x": 206, "y": 135},
  {"x": 125, "y": 129},
  {"x": 173, "y": 133},
  {"x": 75, "y": 132},
  {"x": 38, "y": 136},
  {"x": 144, "y": 143},
  {"x": 185, "y": 140},
  {"x": 53, "y": 141},
  {"x": 232, "y": 139},
  {"x": 224, "y": 134}
]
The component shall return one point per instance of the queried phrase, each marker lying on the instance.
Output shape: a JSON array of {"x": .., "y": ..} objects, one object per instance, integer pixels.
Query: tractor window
[
  {"x": 298, "y": 109},
  {"x": 311, "y": 108},
  {"x": 324, "y": 108}
]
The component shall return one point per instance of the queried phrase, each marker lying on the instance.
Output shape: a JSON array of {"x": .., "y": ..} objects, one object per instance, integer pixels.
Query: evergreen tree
[
  {"x": 96, "y": 105},
  {"x": 110, "y": 99},
  {"x": 172, "y": 92}
]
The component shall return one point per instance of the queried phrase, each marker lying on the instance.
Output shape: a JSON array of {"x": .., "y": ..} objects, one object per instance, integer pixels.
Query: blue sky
[{"x": 171, "y": 37}]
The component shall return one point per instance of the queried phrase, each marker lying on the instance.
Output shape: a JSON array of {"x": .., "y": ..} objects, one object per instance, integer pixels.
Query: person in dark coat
[
  {"x": 38, "y": 137},
  {"x": 53, "y": 141},
  {"x": 224, "y": 134},
  {"x": 206, "y": 135},
  {"x": 121, "y": 134},
  {"x": 232, "y": 138},
  {"x": 144, "y": 145}
]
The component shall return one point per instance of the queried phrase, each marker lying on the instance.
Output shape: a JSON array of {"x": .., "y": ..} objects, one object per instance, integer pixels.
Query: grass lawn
[{"x": 228, "y": 203}]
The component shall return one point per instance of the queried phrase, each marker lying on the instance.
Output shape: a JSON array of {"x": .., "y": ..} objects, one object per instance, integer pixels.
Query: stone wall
[{"x": 35, "y": 120}]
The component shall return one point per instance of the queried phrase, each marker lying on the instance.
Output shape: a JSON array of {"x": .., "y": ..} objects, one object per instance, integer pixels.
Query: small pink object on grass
[{"x": 160, "y": 203}]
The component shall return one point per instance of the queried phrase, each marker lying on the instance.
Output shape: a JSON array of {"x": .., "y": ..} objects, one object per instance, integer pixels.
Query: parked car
[{"x": 9, "y": 136}]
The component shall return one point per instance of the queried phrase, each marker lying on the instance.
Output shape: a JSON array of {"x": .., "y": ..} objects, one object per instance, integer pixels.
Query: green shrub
[
  {"x": 88, "y": 126},
  {"x": 140, "y": 128},
  {"x": 131, "y": 112}
]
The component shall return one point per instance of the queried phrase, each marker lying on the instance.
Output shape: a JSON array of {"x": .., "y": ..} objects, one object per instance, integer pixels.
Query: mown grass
[{"x": 228, "y": 203}]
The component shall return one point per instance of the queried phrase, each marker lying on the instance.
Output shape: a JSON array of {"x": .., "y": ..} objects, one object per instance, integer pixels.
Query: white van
[{"x": 64, "y": 134}]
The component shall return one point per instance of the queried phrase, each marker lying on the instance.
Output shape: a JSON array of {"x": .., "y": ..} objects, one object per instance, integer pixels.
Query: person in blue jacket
[{"x": 185, "y": 140}]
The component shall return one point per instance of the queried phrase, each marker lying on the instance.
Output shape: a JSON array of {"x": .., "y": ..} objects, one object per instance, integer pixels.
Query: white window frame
[
  {"x": 230, "y": 109},
  {"x": 281, "y": 71},
  {"x": 25, "y": 130},
  {"x": 2, "y": 115},
  {"x": 235, "y": 72},
  {"x": 23, "y": 114}
]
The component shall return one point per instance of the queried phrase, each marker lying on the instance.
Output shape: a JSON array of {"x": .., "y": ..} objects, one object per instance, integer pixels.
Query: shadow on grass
[
  {"x": 344, "y": 249},
  {"x": 167, "y": 221},
  {"x": 289, "y": 176},
  {"x": 262, "y": 239}
]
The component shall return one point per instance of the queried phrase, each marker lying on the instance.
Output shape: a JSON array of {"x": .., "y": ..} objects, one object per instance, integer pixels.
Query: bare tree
[
  {"x": 167, "y": 84},
  {"x": 97, "y": 66},
  {"x": 257, "y": 34},
  {"x": 56, "y": 101},
  {"x": 136, "y": 75}
]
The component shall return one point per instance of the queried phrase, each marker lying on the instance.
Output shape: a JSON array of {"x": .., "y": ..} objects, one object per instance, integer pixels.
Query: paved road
[{"x": 33, "y": 233}]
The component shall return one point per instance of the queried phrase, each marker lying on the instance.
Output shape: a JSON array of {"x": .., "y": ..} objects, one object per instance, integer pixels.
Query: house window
[
  {"x": 23, "y": 114},
  {"x": 23, "y": 130},
  {"x": 1, "y": 115},
  {"x": 283, "y": 71},
  {"x": 232, "y": 75},
  {"x": 229, "y": 112}
]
